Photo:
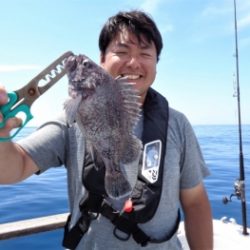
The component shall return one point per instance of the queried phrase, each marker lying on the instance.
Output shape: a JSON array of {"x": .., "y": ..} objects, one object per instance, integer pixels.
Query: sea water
[{"x": 47, "y": 194}]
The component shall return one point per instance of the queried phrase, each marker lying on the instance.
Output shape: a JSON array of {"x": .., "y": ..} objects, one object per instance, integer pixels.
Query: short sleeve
[
  {"x": 192, "y": 163},
  {"x": 47, "y": 145}
]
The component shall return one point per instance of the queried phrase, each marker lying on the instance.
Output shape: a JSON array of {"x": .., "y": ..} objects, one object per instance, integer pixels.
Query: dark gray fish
[{"x": 106, "y": 110}]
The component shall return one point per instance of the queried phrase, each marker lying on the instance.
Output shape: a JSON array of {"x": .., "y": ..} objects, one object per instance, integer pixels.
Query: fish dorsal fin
[{"x": 130, "y": 101}]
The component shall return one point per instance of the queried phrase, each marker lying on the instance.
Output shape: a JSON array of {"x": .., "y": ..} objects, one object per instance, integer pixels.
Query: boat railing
[{"x": 31, "y": 226}]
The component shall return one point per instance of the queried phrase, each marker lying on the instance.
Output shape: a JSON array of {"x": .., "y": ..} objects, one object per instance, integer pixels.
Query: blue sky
[{"x": 197, "y": 66}]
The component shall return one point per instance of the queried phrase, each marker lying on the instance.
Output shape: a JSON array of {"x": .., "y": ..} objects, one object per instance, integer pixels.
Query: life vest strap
[
  {"x": 73, "y": 236},
  {"x": 124, "y": 226}
]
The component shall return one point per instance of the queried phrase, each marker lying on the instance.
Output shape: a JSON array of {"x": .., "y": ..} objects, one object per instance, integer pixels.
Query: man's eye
[
  {"x": 146, "y": 54},
  {"x": 120, "y": 52}
]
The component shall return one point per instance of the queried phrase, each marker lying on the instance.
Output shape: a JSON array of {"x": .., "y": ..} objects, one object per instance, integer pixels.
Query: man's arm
[
  {"x": 15, "y": 164},
  {"x": 198, "y": 218}
]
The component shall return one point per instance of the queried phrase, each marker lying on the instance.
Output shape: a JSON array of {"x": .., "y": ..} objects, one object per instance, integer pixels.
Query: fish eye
[{"x": 86, "y": 64}]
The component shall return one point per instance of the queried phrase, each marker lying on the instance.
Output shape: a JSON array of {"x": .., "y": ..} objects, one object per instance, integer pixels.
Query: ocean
[{"x": 47, "y": 194}]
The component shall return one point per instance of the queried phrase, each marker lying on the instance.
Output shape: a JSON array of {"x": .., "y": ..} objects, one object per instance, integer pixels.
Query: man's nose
[{"x": 134, "y": 61}]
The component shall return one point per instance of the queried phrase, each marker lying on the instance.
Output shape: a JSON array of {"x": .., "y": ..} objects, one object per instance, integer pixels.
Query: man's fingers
[
  {"x": 14, "y": 122},
  {"x": 10, "y": 124},
  {"x": 3, "y": 96}
]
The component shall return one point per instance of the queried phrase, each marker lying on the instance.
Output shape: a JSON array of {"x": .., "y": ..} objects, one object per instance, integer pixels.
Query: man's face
[{"x": 126, "y": 57}]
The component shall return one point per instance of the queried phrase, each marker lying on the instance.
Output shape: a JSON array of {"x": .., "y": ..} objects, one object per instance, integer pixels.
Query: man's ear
[{"x": 102, "y": 58}]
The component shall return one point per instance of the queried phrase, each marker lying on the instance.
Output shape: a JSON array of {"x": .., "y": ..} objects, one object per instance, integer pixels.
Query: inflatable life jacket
[{"x": 145, "y": 196}]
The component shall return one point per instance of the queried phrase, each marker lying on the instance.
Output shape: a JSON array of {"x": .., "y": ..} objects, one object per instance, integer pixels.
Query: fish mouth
[
  {"x": 73, "y": 93},
  {"x": 84, "y": 90},
  {"x": 84, "y": 94}
]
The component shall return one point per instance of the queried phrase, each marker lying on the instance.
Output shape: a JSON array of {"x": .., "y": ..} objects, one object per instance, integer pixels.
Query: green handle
[{"x": 9, "y": 112}]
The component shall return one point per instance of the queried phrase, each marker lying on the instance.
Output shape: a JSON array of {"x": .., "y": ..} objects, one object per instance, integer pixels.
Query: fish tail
[{"x": 116, "y": 185}]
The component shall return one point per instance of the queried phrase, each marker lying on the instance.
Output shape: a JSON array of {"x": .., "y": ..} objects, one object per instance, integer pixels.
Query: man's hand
[{"x": 10, "y": 123}]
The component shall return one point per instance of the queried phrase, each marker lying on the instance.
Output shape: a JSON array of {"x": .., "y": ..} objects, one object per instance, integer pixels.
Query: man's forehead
[{"x": 126, "y": 37}]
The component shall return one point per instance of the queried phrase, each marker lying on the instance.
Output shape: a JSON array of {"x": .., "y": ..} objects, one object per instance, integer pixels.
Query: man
[{"x": 130, "y": 46}]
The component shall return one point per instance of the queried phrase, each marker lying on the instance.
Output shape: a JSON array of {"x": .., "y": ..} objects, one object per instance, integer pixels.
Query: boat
[{"x": 227, "y": 235}]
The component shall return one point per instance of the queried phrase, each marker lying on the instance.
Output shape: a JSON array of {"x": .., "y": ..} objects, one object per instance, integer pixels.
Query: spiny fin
[
  {"x": 129, "y": 102},
  {"x": 71, "y": 106}
]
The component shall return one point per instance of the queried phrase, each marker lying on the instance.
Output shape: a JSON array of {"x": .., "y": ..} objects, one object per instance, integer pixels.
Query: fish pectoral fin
[{"x": 71, "y": 106}]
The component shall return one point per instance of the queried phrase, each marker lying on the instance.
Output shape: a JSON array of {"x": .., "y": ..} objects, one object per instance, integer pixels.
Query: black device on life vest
[{"x": 146, "y": 194}]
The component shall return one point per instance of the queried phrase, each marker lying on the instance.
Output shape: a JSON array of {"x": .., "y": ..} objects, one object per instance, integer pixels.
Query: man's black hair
[{"x": 137, "y": 22}]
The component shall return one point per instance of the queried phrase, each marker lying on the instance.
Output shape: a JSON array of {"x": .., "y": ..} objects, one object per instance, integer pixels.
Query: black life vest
[{"x": 146, "y": 194}]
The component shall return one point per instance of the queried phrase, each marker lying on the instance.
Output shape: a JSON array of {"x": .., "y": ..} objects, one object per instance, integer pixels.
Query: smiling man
[
  {"x": 131, "y": 56},
  {"x": 130, "y": 46}
]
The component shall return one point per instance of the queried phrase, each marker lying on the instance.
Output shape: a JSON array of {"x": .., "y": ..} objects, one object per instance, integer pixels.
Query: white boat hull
[{"x": 227, "y": 235}]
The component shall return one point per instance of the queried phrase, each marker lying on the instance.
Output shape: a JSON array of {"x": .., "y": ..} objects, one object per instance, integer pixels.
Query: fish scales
[{"x": 106, "y": 111}]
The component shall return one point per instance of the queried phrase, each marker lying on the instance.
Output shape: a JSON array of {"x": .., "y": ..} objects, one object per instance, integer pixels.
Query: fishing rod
[{"x": 239, "y": 185}]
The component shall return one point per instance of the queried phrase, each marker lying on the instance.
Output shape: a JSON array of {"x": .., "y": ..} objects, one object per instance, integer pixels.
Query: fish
[{"x": 106, "y": 110}]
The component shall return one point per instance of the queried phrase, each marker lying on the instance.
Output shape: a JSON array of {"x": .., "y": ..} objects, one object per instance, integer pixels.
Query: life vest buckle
[
  {"x": 122, "y": 235},
  {"x": 93, "y": 216}
]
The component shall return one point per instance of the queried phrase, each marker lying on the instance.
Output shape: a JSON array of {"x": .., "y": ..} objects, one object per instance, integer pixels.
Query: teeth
[{"x": 131, "y": 77}]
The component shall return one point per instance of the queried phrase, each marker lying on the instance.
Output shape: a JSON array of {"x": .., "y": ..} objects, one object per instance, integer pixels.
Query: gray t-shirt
[{"x": 55, "y": 144}]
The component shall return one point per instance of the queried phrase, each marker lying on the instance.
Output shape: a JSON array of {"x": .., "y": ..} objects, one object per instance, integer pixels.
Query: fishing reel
[{"x": 239, "y": 187}]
